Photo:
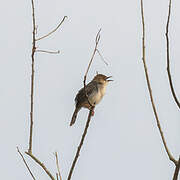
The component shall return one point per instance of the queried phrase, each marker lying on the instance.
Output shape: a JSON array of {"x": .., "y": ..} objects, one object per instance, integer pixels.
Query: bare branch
[
  {"x": 25, "y": 163},
  {"x": 168, "y": 58},
  {"x": 41, "y": 164},
  {"x": 32, "y": 77},
  {"x": 176, "y": 172},
  {"x": 81, "y": 143},
  {"x": 150, "y": 90},
  {"x": 94, "y": 52},
  {"x": 54, "y": 30},
  {"x": 57, "y": 165},
  {"x": 50, "y": 52}
]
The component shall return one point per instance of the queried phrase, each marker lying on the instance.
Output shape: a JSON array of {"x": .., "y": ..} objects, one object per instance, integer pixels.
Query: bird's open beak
[{"x": 107, "y": 79}]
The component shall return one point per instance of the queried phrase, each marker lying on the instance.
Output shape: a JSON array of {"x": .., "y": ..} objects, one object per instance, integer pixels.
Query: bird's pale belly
[{"x": 93, "y": 99}]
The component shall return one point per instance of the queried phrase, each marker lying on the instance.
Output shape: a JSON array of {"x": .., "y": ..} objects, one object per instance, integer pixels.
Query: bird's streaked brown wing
[{"x": 81, "y": 96}]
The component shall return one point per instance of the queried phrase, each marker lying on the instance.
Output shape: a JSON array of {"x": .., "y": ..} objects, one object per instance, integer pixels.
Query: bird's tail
[{"x": 74, "y": 116}]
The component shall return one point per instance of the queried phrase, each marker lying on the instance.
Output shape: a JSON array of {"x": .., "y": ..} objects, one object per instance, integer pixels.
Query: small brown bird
[{"x": 95, "y": 90}]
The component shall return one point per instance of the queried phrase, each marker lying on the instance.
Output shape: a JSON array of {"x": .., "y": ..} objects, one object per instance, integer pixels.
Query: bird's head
[{"x": 102, "y": 79}]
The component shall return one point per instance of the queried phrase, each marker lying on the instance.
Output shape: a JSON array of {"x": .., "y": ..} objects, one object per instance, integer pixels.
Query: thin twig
[
  {"x": 57, "y": 165},
  {"x": 92, "y": 57},
  {"x": 32, "y": 77},
  {"x": 168, "y": 58},
  {"x": 54, "y": 30},
  {"x": 41, "y": 164},
  {"x": 102, "y": 58},
  {"x": 150, "y": 90},
  {"x": 50, "y": 52},
  {"x": 176, "y": 172},
  {"x": 94, "y": 52},
  {"x": 81, "y": 143},
  {"x": 25, "y": 163}
]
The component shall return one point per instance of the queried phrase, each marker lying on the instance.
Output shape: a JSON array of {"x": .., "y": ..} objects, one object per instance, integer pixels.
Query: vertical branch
[
  {"x": 29, "y": 153},
  {"x": 168, "y": 58},
  {"x": 32, "y": 67},
  {"x": 32, "y": 78},
  {"x": 81, "y": 143},
  {"x": 150, "y": 90}
]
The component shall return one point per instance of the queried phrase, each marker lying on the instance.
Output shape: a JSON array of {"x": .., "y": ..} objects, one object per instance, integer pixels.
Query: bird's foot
[{"x": 92, "y": 113}]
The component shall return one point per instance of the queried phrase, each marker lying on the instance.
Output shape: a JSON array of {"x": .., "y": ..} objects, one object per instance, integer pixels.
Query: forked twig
[
  {"x": 90, "y": 111},
  {"x": 25, "y": 163},
  {"x": 150, "y": 90},
  {"x": 81, "y": 143},
  {"x": 41, "y": 164},
  {"x": 168, "y": 58},
  {"x": 54, "y": 30},
  {"x": 57, "y": 165}
]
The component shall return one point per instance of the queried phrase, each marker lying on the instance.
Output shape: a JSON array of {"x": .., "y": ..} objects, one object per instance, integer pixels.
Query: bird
[{"x": 91, "y": 95}]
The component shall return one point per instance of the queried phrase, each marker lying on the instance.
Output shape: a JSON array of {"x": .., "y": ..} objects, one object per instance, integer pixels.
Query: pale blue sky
[{"x": 123, "y": 141}]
